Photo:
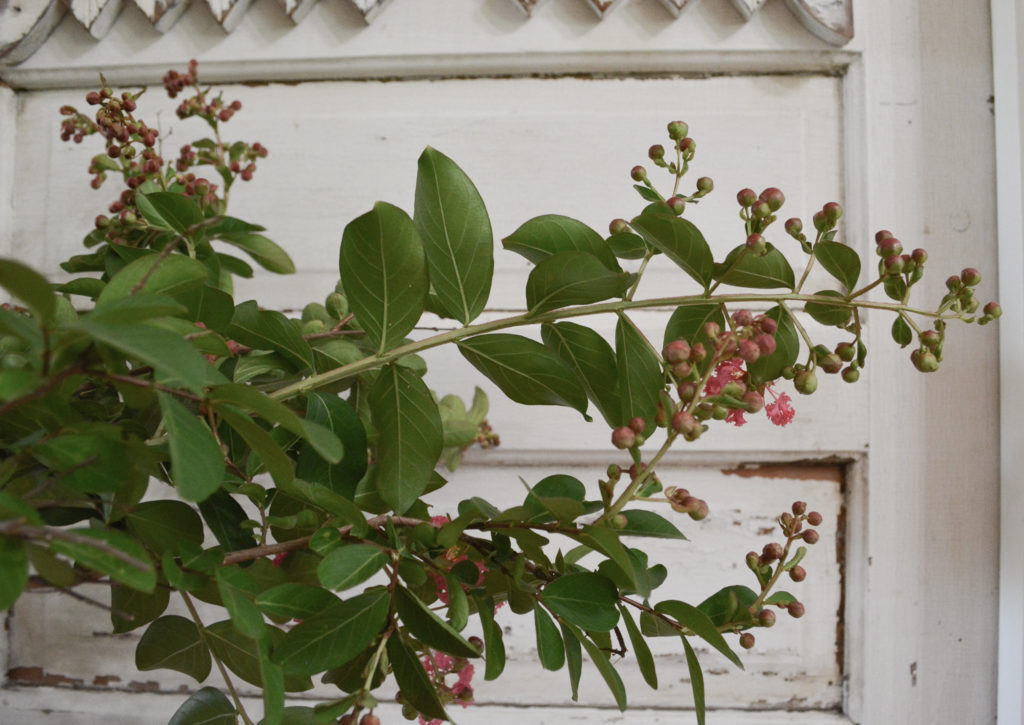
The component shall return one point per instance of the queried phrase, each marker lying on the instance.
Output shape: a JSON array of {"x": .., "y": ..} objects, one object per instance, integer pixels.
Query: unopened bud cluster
[{"x": 684, "y": 503}]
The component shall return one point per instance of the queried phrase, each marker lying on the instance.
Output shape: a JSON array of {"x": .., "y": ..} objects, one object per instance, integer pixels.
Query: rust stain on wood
[
  {"x": 38, "y": 676},
  {"x": 800, "y": 471},
  {"x": 104, "y": 680}
]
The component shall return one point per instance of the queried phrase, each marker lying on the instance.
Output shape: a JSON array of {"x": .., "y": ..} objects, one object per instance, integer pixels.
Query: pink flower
[
  {"x": 440, "y": 667},
  {"x": 781, "y": 411},
  {"x": 725, "y": 372},
  {"x": 736, "y": 417}
]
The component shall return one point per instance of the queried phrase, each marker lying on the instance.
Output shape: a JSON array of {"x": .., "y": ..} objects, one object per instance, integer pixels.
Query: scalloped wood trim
[
  {"x": 830, "y": 20},
  {"x": 25, "y": 25},
  {"x": 675, "y": 6},
  {"x": 603, "y": 7},
  {"x": 529, "y": 7},
  {"x": 96, "y": 16},
  {"x": 162, "y": 13},
  {"x": 369, "y": 8}
]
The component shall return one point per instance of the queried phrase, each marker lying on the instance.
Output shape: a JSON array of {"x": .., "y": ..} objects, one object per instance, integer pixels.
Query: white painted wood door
[{"x": 895, "y": 124}]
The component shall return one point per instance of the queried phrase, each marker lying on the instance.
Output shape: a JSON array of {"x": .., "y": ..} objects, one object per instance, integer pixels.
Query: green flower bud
[
  {"x": 746, "y": 198},
  {"x": 851, "y": 374},
  {"x": 806, "y": 382},
  {"x": 638, "y": 173},
  {"x": 773, "y": 197},
  {"x": 677, "y": 130}
]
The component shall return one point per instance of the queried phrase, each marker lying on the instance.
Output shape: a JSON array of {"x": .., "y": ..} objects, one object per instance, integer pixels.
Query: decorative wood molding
[
  {"x": 162, "y": 13},
  {"x": 96, "y": 16},
  {"x": 25, "y": 24}
]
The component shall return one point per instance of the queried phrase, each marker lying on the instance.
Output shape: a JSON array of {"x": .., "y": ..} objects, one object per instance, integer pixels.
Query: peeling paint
[
  {"x": 825, "y": 470},
  {"x": 37, "y": 676}
]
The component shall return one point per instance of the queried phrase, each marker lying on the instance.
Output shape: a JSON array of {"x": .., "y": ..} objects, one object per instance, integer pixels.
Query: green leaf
[
  {"x": 456, "y": 232},
  {"x": 593, "y": 361},
  {"x": 225, "y": 516},
  {"x": 335, "y": 635},
  {"x": 413, "y": 681},
  {"x": 269, "y": 330},
  {"x": 572, "y": 278},
  {"x": 604, "y": 666},
  {"x": 167, "y": 353},
  {"x": 273, "y": 684},
  {"x": 237, "y": 591},
  {"x": 901, "y": 332},
  {"x": 384, "y": 272},
  {"x": 295, "y": 715},
  {"x": 209, "y": 305},
  {"x": 787, "y": 348},
  {"x": 584, "y": 599},
  {"x": 543, "y": 236},
  {"x": 742, "y": 268},
  {"x": 245, "y": 656},
  {"x": 644, "y": 659},
  {"x": 780, "y": 598},
  {"x": 427, "y": 627},
  {"x": 341, "y": 419},
  {"x": 525, "y": 370},
  {"x": 895, "y": 288},
  {"x": 13, "y": 570},
  {"x": 574, "y": 658},
  {"x": 700, "y": 624},
  {"x": 208, "y": 706},
  {"x": 142, "y": 607},
  {"x": 841, "y": 262},
  {"x": 278, "y": 464},
  {"x": 197, "y": 462},
  {"x": 650, "y": 524},
  {"x": 494, "y": 640},
  {"x": 87, "y": 462},
  {"x": 171, "y": 276},
  {"x": 30, "y": 287},
  {"x": 696, "y": 680},
  {"x": 409, "y": 437},
  {"x": 249, "y": 398},
  {"x": 640, "y": 374},
  {"x": 162, "y": 525},
  {"x": 265, "y": 252},
  {"x": 626, "y": 245},
  {"x": 606, "y": 541},
  {"x": 550, "y": 649},
  {"x": 173, "y": 643},
  {"x": 801, "y": 552},
  {"x": 169, "y": 210},
  {"x": 731, "y": 604},
  {"x": 85, "y": 286},
  {"x": 294, "y": 601},
  {"x": 347, "y": 566},
  {"x": 687, "y": 323},
  {"x": 112, "y": 553},
  {"x": 458, "y": 602},
  {"x": 826, "y": 314},
  {"x": 329, "y": 501},
  {"x": 681, "y": 242}
]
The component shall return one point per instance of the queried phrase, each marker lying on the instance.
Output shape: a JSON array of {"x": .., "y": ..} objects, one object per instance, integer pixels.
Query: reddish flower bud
[
  {"x": 831, "y": 363},
  {"x": 889, "y": 247},
  {"x": 688, "y": 146},
  {"x": 749, "y": 351},
  {"x": 924, "y": 360},
  {"x": 747, "y": 640},
  {"x": 798, "y": 573},
  {"x": 712, "y": 330},
  {"x": 769, "y": 325},
  {"x": 698, "y": 352},
  {"x": 655, "y": 152},
  {"x": 761, "y": 210},
  {"x": 617, "y": 226},
  {"x": 773, "y": 197},
  {"x": 794, "y": 226},
  {"x": 799, "y": 507},
  {"x": 970, "y": 277},
  {"x": 743, "y": 318},
  {"x": 687, "y": 391},
  {"x": 766, "y": 343},
  {"x": 796, "y": 610},
  {"x": 757, "y": 244},
  {"x": 882, "y": 235},
  {"x": 833, "y": 212},
  {"x": 746, "y": 198},
  {"x": 369, "y": 719},
  {"x": 682, "y": 369},
  {"x": 92, "y": 98},
  {"x": 772, "y": 551},
  {"x": 623, "y": 438},
  {"x": 850, "y": 374},
  {"x": 683, "y": 422},
  {"x": 811, "y": 536},
  {"x": 638, "y": 425},
  {"x": 677, "y": 204},
  {"x": 766, "y": 618},
  {"x": 846, "y": 351},
  {"x": 814, "y": 518},
  {"x": 992, "y": 309},
  {"x": 638, "y": 173},
  {"x": 930, "y": 339},
  {"x": 677, "y": 130},
  {"x": 753, "y": 401}
]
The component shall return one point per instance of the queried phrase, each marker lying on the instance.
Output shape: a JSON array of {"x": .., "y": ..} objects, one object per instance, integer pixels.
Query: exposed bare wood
[
  {"x": 96, "y": 16},
  {"x": 24, "y": 25},
  {"x": 228, "y": 13},
  {"x": 830, "y": 20},
  {"x": 674, "y": 6},
  {"x": 369, "y": 8},
  {"x": 603, "y": 7},
  {"x": 747, "y": 8},
  {"x": 528, "y": 6},
  {"x": 297, "y": 10},
  {"x": 162, "y": 13}
]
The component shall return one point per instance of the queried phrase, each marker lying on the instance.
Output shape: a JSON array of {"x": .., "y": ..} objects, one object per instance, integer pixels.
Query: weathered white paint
[
  {"x": 830, "y": 20},
  {"x": 794, "y": 665},
  {"x": 675, "y": 6},
  {"x": 25, "y": 25},
  {"x": 370, "y": 8},
  {"x": 96, "y": 16},
  {"x": 1008, "y": 64},
  {"x": 162, "y": 13},
  {"x": 8, "y": 153},
  {"x": 228, "y": 13},
  {"x": 297, "y": 10},
  {"x": 528, "y": 6},
  {"x": 747, "y": 8},
  {"x": 603, "y": 7}
]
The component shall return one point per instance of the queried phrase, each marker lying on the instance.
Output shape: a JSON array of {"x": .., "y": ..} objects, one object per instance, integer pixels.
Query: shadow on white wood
[
  {"x": 25, "y": 24},
  {"x": 162, "y": 13},
  {"x": 96, "y": 16},
  {"x": 603, "y": 7},
  {"x": 369, "y": 8}
]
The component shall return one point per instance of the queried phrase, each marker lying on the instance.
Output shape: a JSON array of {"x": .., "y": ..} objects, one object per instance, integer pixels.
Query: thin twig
[{"x": 17, "y": 528}]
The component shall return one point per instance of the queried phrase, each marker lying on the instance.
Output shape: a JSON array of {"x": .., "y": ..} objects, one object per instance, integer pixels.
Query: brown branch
[
  {"x": 148, "y": 384},
  {"x": 39, "y": 392},
  {"x": 18, "y": 529}
]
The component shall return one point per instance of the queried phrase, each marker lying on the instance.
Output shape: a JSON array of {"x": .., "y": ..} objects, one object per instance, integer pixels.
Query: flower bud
[
  {"x": 92, "y": 98},
  {"x": 746, "y": 198},
  {"x": 618, "y": 521},
  {"x": 638, "y": 425},
  {"x": 698, "y": 508},
  {"x": 819, "y": 221},
  {"x": 773, "y": 197},
  {"x": 753, "y": 401},
  {"x": 747, "y": 640},
  {"x": 369, "y": 719},
  {"x": 796, "y": 610},
  {"x": 688, "y": 146},
  {"x": 753, "y": 560},
  {"x": 924, "y": 360},
  {"x": 684, "y": 422},
  {"x": 749, "y": 351},
  {"x": 761, "y": 210},
  {"x": 798, "y": 573},
  {"x": 734, "y": 389},
  {"x": 682, "y": 369},
  {"x": 766, "y": 618},
  {"x": 893, "y": 265},
  {"x": 850, "y": 374},
  {"x": 409, "y": 712},
  {"x": 677, "y": 204},
  {"x": 618, "y": 226},
  {"x": 799, "y": 507},
  {"x": 698, "y": 352},
  {"x": 846, "y": 351},
  {"x": 930, "y": 339},
  {"x": 656, "y": 152},
  {"x": 806, "y": 382},
  {"x": 623, "y": 438},
  {"x": 814, "y": 518},
  {"x": 476, "y": 643},
  {"x": 757, "y": 244},
  {"x": 613, "y": 472},
  {"x": 743, "y": 318},
  {"x": 687, "y": 391},
  {"x": 677, "y": 130},
  {"x": 705, "y": 185},
  {"x": 919, "y": 256},
  {"x": 970, "y": 277},
  {"x": 772, "y": 551},
  {"x": 993, "y": 310},
  {"x": 794, "y": 226},
  {"x": 831, "y": 363},
  {"x": 811, "y": 536},
  {"x": 638, "y": 173},
  {"x": 712, "y": 330},
  {"x": 833, "y": 212}
]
